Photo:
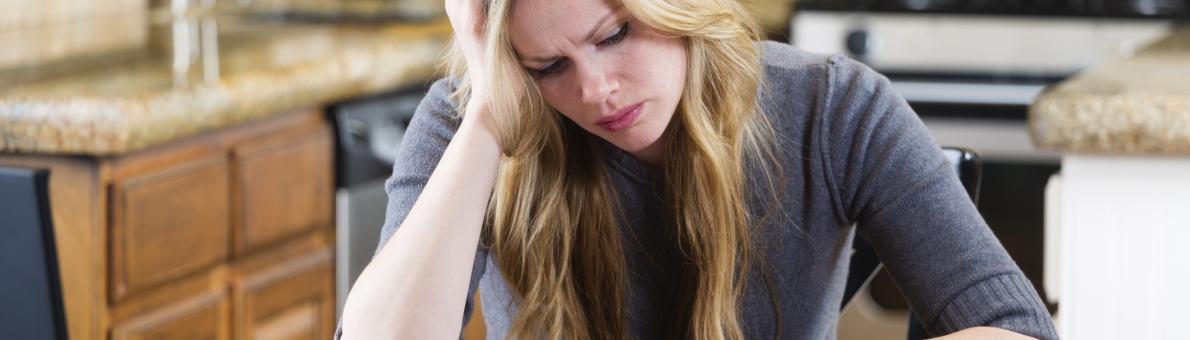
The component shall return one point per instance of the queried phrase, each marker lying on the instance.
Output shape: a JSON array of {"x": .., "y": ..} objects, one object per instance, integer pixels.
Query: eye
[
  {"x": 619, "y": 36},
  {"x": 553, "y": 67},
  {"x": 556, "y": 66}
]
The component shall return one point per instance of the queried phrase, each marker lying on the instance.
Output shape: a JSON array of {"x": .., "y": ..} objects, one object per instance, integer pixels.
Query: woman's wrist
[{"x": 476, "y": 130}]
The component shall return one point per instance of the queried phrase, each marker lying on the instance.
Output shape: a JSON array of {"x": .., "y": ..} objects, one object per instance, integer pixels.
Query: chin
[{"x": 636, "y": 141}]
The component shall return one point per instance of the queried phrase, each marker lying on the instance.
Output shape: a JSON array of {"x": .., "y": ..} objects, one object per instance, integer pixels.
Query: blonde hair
[{"x": 552, "y": 221}]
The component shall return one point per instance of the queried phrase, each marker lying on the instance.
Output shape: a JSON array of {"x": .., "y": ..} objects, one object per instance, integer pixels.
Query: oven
[{"x": 970, "y": 69}]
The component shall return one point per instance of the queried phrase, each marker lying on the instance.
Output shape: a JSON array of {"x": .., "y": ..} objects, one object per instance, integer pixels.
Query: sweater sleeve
[
  {"x": 433, "y": 125},
  {"x": 891, "y": 179}
]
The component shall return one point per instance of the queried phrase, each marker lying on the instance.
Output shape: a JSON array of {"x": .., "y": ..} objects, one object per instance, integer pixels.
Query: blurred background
[
  {"x": 971, "y": 70},
  {"x": 216, "y": 167}
]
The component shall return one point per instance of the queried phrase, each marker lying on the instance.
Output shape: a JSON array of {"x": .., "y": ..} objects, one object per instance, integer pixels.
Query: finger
[{"x": 483, "y": 7}]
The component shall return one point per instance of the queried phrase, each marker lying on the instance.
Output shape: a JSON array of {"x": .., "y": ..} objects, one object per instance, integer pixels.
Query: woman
[{"x": 645, "y": 169}]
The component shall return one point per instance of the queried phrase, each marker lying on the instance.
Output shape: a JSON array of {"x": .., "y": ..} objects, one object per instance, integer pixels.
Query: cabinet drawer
[
  {"x": 204, "y": 317},
  {"x": 289, "y": 300},
  {"x": 169, "y": 223},
  {"x": 282, "y": 187}
]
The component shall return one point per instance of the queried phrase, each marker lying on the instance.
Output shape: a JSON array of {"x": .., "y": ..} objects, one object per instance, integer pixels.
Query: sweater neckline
[{"x": 624, "y": 162}]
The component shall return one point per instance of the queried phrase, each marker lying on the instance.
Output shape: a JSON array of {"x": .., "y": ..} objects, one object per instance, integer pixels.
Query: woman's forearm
[{"x": 417, "y": 284}]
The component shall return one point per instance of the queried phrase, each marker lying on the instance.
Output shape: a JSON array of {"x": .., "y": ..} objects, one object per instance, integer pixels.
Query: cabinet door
[
  {"x": 169, "y": 222},
  {"x": 292, "y": 299},
  {"x": 283, "y": 186},
  {"x": 203, "y": 317}
]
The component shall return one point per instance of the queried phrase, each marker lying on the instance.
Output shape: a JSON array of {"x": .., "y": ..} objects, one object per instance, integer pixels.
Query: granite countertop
[
  {"x": 183, "y": 76},
  {"x": 1139, "y": 105},
  {"x": 357, "y": 10}
]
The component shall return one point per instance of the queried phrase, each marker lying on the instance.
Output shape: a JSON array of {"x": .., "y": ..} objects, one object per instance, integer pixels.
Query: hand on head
[{"x": 468, "y": 19}]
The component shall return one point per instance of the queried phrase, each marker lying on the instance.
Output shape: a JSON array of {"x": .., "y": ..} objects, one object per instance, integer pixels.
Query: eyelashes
[
  {"x": 549, "y": 70},
  {"x": 616, "y": 38},
  {"x": 556, "y": 66}
]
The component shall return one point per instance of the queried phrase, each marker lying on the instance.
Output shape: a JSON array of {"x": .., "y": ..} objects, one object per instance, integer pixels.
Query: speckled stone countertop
[
  {"x": 192, "y": 75},
  {"x": 359, "y": 10},
  {"x": 1139, "y": 105}
]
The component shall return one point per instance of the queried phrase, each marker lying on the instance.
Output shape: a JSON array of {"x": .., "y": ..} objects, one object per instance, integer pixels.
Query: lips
[{"x": 622, "y": 118}]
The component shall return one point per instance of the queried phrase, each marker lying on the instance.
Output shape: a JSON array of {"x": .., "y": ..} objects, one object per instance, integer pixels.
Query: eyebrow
[{"x": 590, "y": 36}]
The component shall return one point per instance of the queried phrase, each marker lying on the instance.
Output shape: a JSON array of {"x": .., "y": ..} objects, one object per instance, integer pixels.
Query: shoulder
[
  {"x": 782, "y": 56},
  {"x": 437, "y": 109},
  {"x": 439, "y": 93},
  {"x": 785, "y": 56},
  {"x": 437, "y": 116},
  {"x": 784, "y": 64},
  {"x": 809, "y": 83}
]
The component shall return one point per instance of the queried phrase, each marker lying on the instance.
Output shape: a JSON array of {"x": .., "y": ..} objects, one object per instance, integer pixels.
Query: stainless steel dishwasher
[{"x": 368, "y": 133}]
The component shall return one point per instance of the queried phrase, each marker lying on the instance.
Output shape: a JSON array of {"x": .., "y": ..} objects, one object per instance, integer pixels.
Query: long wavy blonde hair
[{"x": 552, "y": 221}]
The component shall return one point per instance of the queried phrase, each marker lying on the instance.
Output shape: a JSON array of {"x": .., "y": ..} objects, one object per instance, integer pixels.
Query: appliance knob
[
  {"x": 859, "y": 43},
  {"x": 918, "y": 5},
  {"x": 1157, "y": 7}
]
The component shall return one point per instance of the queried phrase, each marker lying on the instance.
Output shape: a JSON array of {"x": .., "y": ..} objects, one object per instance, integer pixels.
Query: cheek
[
  {"x": 559, "y": 96},
  {"x": 672, "y": 72},
  {"x": 656, "y": 65}
]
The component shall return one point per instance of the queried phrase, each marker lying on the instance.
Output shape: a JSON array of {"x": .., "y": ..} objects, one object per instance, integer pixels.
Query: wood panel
[
  {"x": 475, "y": 328},
  {"x": 146, "y": 240},
  {"x": 287, "y": 293},
  {"x": 282, "y": 187},
  {"x": 169, "y": 223},
  {"x": 197, "y": 307},
  {"x": 78, "y": 207},
  {"x": 203, "y": 317}
]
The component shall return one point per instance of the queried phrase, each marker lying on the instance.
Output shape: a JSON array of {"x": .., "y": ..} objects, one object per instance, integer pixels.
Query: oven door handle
[{"x": 967, "y": 93}]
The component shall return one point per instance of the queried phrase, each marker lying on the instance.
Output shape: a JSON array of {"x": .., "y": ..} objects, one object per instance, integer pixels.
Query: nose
[{"x": 595, "y": 82}]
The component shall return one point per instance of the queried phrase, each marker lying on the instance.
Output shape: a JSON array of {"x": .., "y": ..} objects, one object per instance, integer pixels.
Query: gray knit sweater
[{"x": 856, "y": 159}]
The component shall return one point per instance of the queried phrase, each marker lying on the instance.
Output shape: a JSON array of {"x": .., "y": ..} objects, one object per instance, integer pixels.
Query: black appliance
[
  {"x": 368, "y": 132},
  {"x": 31, "y": 305}
]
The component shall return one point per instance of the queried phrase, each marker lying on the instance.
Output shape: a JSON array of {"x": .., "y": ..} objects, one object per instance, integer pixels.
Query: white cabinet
[{"x": 1119, "y": 227}]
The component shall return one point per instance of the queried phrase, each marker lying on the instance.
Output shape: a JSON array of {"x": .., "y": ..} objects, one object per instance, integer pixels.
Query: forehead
[{"x": 537, "y": 25}]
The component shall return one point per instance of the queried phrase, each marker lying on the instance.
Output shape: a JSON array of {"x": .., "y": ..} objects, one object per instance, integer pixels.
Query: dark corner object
[
  {"x": 864, "y": 262},
  {"x": 30, "y": 293}
]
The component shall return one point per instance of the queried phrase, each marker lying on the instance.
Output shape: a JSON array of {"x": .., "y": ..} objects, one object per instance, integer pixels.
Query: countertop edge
[
  {"x": 113, "y": 126},
  {"x": 1129, "y": 123}
]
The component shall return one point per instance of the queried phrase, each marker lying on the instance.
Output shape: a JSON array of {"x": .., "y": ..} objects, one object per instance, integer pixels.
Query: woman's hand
[{"x": 468, "y": 19}]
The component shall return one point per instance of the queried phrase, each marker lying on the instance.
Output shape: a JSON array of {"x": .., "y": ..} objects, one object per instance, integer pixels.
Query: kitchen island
[
  {"x": 1117, "y": 213},
  {"x": 191, "y": 164}
]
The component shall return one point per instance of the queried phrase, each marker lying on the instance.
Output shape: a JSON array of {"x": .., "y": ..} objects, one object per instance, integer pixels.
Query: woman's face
[{"x": 612, "y": 75}]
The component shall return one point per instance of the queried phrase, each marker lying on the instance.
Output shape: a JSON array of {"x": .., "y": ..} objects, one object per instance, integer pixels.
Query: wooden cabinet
[
  {"x": 154, "y": 214},
  {"x": 287, "y": 294},
  {"x": 194, "y": 309},
  {"x": 284, "y": 187},
  {"x": 203, "y": 318},
  {"x": 226, "y": 235}
]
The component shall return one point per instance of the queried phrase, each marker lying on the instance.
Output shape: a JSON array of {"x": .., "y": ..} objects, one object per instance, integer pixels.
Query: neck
[{"x": 653, "y": 154}]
